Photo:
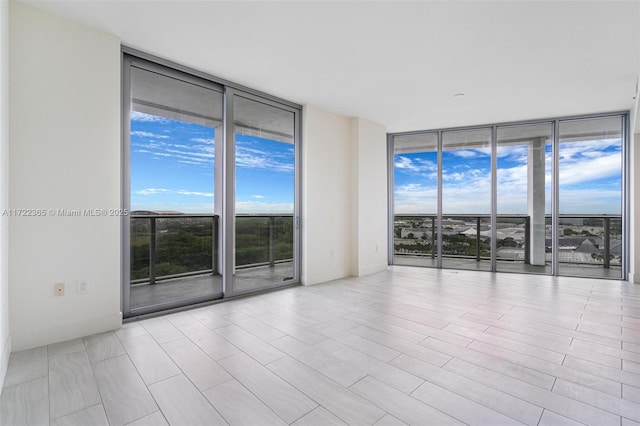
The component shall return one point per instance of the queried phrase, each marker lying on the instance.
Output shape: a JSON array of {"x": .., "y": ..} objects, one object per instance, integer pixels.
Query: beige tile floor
[{"x": 407, "y": 346}]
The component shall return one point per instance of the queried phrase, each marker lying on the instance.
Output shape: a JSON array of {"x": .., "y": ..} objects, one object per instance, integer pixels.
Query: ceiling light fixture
[{"x": 458, "y": 96}]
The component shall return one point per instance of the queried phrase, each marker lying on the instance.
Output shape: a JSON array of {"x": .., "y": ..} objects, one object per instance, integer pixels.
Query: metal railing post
[
  {"x": 214, "y": 244},
  {"x": 433, "y": 237},
  {"x": 272, "y": 255},
  {"x": 607, "y": 241},
  {"x": 527, "y": 240},
  {"x": 152, "y": 251},
  {"x": 478, "y": 238}
]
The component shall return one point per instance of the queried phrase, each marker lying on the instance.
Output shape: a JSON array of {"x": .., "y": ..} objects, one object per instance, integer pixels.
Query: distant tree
[{"x": 410, "y": 235}]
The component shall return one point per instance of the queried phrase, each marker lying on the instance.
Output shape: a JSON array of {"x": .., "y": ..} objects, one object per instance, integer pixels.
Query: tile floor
[{"x": 407, "y": 346}]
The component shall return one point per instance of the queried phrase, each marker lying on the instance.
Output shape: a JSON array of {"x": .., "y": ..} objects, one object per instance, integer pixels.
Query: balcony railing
[
  {"x": 468, "y": 236},
  {"x": 168, "y": 246}
]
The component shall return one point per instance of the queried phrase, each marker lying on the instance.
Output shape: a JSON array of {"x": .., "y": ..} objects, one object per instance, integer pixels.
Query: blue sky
[
  {"x": 590, "y": 180},
  {"x": 172, "y": 168}
]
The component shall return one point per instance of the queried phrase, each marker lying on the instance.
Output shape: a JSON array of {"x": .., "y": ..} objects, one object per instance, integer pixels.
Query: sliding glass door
[
  {"x": 174, "y": 121},
  {"x": 265, "y": 212},
  {"x": 210, "y": 190}
]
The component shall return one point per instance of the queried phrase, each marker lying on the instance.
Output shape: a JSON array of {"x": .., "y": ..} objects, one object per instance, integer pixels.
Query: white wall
[
  {"x": 369, "y": 197},
  {"x": 64, "y": 154},
  {"x": 344, "y": 226},
  {"x": 5, "y": 337},
  {"x": 326, "y": 203}
]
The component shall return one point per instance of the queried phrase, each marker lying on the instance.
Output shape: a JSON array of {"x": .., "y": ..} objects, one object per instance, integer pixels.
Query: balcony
[
  {"x": 175, "y": 257},
  {"x": 589, "y": 245}
]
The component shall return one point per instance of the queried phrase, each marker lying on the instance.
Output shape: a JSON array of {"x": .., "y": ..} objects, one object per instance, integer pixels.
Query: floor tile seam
[
  {"x": 323, "y": 374},
  {"x": 554, "y": 374},
  {"x": 100, "y": 390},
  {"x": 169, "y": 378},
  {"x": 512, "y": 341},
  {"x": 318, "y": 404},
  {"x": 607, "y": 378},
  {"x": 537, "y": 358},
  {"x": 33, "y": 379},
  {"x": 490, "y": 387},
  {"x": 255, "y": 335},
  {"x": 248, "y": 390},
  {"x": 576, "y": 352},
  {"x": 146, "y": 415},
  {"x": 77, "y": 411},
  {"x": 526, "y": 333},
  {"x": 489, "y": 368},
  {"x": 127, "y": 353},
  {"x": 545, "y": 390},
  {"x": 377, "y": 406},
  {"x": 478, "y": 402},
  {"x": 92, "y": 378},
  {"x": 402, "y": 340},
  {"x": 244, "y": 352},
  {"x": 567, "y": 330},
  {"x": 594, "y": 406},
  {"x": 413, "y": 398}
]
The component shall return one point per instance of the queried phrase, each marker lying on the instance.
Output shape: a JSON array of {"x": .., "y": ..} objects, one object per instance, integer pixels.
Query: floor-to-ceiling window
[
  {"x": 415, "y": 159},
  {"x": 210, "y": 188},
  {"x": 590, "y": 197},
  {"x": 542, "y": 197},
  {"x": 264, "y": 144},
  {"x": 523, "y": 220},
  {"x": 466, "y": 199}
]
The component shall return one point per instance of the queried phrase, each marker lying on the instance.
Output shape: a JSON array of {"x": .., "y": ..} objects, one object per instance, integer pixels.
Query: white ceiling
[{"x": 393, "y": 62}]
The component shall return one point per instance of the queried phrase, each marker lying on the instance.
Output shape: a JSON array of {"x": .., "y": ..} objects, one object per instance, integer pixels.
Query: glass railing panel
[
  {"x": 173, "y": 258},
  {"x": 263, "y": 240},
  {"x": 140, "y": 241},
  {"x": 415, "y": 240},
  {"x": 590, "y": 246},
  {"x": 466, "y": 242}
]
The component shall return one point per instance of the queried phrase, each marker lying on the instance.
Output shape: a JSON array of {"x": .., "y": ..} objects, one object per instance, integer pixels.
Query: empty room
[{"x": 319, "y": 212}]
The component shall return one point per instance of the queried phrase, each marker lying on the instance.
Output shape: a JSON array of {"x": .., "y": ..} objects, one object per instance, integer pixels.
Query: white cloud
[
  {"x": 467, "y": 153},
  {"x": 208, "y": 141},
  {"x": 590, "y": 168},
  {"x": 152, "y": 191},
  {"x": 255, "y": 207},
  {"x": 257, "y": 159},
  {"x": 165, "y": 191},
  {"x": 258, "y": 196},
  {"x": 195, "y": 193},
  {"x": 417, "y": 165},
  {"x": 142, "y": 134},
  {"x": 139, "y": 116},
  {"x": 199, "y": 155}
]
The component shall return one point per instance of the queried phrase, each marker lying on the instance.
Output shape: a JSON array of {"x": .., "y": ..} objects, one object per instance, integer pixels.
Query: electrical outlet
[
  {"x": 58, "y": 289},
  {"x": 83, "y": 287}
]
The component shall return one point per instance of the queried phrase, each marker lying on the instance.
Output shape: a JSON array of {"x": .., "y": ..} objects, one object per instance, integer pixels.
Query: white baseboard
[
  {"x": 62, "y": 332},
  {"x": 324, "y": 277},
  {"x": 372, "y": 268}
]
